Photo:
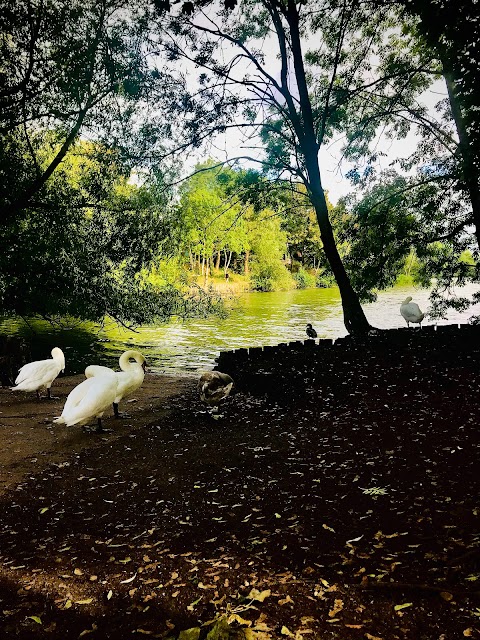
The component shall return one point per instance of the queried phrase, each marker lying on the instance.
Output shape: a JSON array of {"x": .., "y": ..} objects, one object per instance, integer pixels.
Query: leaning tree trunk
[
  {"x": 353, "y": 315},
  {"x": 305, "y": 130}
]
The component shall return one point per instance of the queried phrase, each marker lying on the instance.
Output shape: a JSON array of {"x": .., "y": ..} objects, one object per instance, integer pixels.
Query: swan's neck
[
  {"x": 60, "y": 358},
  {"x": 126, "y": 365}
]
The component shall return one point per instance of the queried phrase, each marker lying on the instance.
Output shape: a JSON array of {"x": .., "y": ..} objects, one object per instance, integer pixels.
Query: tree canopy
[{"x": 102, "y": 102}]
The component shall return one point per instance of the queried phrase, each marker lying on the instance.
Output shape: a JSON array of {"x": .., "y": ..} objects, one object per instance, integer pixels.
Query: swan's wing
[
  {"x": 214, "y": 386},
  {"x": 76, "y": 395},
  {"x": 411, "y": 311},
  {"x": 36, "y": 374},
  {"x": 29, "y": 370},
  {"x": 98, "y": 370},
  {"x": 89, "y": 399}
]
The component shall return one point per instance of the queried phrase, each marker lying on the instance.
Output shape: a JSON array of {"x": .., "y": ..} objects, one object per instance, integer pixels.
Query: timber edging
[{"x": 285, "y": 369}]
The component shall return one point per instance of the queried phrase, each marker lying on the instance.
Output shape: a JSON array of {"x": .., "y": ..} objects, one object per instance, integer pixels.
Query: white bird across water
[
  {"x": 411, "y": 311},
  {"x": 129, "y": 379},
  {"x": 40, "y": 374}
]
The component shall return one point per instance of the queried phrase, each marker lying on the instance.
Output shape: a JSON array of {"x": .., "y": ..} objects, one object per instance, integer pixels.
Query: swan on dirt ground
[
  {"x": 129, "y": 379},
  {"x": 40, "y": 374},
  {"x": 411, "y": 311},
  {"x": 89, "y": 400},
  {"x": 214, "y": 387}
]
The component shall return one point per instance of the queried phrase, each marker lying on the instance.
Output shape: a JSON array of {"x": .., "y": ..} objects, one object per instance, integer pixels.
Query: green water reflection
[{"x": 188, "y": 346}]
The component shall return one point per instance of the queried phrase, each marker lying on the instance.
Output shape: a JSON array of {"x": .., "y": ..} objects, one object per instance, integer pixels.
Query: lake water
[{"x": 185, "y": 347}]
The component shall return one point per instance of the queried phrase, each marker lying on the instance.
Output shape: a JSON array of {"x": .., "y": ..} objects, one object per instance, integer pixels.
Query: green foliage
[
  {"x": 269, "y": 247},
  {"x": 304, "y": 279},
  {"x": 70, "y": 258},
  {"x": 379, "y": 229},
  {"x": 408, "y": 231}
]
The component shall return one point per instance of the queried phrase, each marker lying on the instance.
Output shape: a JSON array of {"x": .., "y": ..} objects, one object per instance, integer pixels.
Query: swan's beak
[{"x": 144, "y": 367}]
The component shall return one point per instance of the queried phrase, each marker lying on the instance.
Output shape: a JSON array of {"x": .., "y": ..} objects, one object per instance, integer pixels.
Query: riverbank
[
  {"x": 349, "y": 512},
  {"x": 31, "y": 442}
]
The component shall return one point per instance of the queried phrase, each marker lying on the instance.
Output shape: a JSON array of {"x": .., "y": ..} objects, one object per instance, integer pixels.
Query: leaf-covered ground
[{"x": 348, "y": 511}]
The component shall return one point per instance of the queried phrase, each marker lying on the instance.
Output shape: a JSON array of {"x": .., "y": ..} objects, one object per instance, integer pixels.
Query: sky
[{"x": 333, "y": 169}]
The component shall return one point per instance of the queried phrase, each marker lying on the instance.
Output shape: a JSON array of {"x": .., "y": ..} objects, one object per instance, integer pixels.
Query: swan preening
[
  {"x": 311, "y": 333},
  {"x": 214, "y": 386},
  {"x": 411, "y": 311},
  {"x": 103, "y": 387},
  {"x": 129, "y": 379},
  {"x": 89, "y": 399},
  {"x": 40, "y": 374}
]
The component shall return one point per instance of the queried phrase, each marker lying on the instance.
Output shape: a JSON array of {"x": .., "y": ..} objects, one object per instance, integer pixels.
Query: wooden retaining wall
[{"x": 284, "y": 369}]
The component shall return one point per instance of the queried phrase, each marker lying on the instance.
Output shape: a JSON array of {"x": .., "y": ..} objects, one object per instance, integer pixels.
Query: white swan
[
  {"x": 36, "y": 375},
  {"x": 214, "y": 386},
  {"x": 411, "y": 311},
  {"x": 129, "y": 379},
  {"x": 88, "y": 400}
]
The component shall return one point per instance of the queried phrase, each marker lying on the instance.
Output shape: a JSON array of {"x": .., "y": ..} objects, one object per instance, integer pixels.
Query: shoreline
[{"x": 31, "y": 442}]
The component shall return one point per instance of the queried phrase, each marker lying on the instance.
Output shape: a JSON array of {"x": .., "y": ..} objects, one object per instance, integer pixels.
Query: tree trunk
[
  {"x": 217, "y": 263},
  {"x": 353, "y": 315},
  {"x": 207, "y": 272},
  {"x": 305, "y": 130},
  {"x": 470, "y": 173},
  {"x": 247, "y": 264}
]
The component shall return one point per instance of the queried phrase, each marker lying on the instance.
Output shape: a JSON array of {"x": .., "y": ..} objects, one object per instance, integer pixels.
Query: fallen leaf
[
  {"x": 446, "y": 595},
  {"x": 337, "y": 607},
  {"x": 397, "y": 607},
  {"x": 190, "y": 634},
  {"x": 192, "y": 604},
  {"x": 129, "y": 579},
  {"x": 354, "y": 626},
  {"x": 286, "y": 632},
  {"x": 260, "y": 596},
  {"x": 78, "y": 572},
  {"x": 86, "y": 601},
  {"x": 236, "y": 618},
  {"x": 109, "y": 594},
  {"x": 35, "y": 619}
]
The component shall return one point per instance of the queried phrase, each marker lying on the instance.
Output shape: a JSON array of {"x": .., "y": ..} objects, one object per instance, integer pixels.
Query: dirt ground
[
  {"x": 348, "y": 513},
  {"x": 30, "y": 441}
]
